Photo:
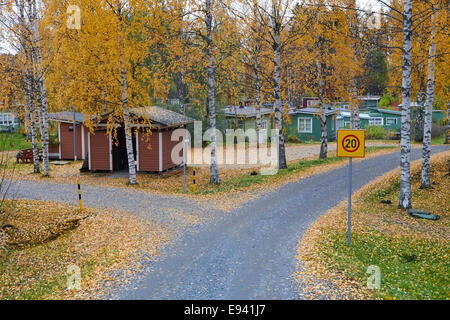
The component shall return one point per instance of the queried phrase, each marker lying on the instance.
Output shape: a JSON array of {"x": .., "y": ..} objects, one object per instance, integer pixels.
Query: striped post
[
  {"x": 194, "y": 178},
  {"x": 79, "y": 194}
]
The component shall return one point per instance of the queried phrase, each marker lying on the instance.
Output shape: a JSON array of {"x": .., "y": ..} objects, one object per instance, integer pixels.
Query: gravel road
[
  {"x": 167, "y": 210},
  {"x": 248, "y": 253}
]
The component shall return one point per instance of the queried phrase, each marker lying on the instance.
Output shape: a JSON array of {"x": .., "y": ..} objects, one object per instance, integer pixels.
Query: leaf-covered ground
[
  {"x": 412, "y": 254},
  {"x": 41, "y": 239}
]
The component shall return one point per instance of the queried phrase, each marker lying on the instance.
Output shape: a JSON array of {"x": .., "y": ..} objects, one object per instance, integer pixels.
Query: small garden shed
[
  {"x": 152, "y": 152},
  {"x": 305, "y": 124}
]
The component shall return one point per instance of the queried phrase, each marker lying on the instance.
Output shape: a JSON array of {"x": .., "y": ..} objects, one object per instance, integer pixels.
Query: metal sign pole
[{"x": 349, "y": 226}]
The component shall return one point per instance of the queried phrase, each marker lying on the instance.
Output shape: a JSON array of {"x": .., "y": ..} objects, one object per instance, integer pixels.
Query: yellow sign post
[{"x": 351, "y": 144}]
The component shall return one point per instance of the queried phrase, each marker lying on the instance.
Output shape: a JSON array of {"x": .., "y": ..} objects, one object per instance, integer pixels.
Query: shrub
[
  {"x": 391, "y": 135},
  {"x": 436, "y": 130},
  {"x": 292, "y": 138},
  {"x": 375, "y": 132}
]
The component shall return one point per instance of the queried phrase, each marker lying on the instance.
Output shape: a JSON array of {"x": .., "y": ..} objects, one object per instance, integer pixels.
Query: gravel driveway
[
  {"x": 250, "y": 253},
  {"x": 171, "y": 211}
]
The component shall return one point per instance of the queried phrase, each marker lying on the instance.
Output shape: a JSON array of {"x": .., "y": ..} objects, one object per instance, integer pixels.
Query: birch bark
[
  {"x": 128, "y": 132},
  {"x": 42, "y": 94},
  {"x": 426, "y": 151},
  {"x": 30, "y": 107},
  {"x": 214, "y": 170},
  {"x": 405, "y": 143},
  {"x": 277, "y": 107},
  {"x": 323, "y": 118}
]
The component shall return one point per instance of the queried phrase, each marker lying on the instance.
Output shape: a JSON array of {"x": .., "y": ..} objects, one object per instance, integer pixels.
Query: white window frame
[
  {"x": 305, "y": 131},
  {"x": 392, "y": 124},
  {"x": 376, "y": 119},
  {"x": 312, "y": 103},
  {"x": 263, "y": 124}
]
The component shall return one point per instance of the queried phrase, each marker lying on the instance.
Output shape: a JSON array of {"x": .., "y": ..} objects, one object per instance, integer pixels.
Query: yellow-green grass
[
  {"x": 412, "y": 254},
  {"x": 438, "y": 140},
  {"x": 246, "y": 180},
  {"x": 13, "y": 141}
]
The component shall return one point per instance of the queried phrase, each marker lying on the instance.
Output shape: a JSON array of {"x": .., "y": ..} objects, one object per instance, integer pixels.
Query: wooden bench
[{"x": 26, "y": 156}]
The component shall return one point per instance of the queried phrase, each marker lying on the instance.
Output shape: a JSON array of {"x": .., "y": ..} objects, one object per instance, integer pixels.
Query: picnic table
[{"x": 26, "y": 156}]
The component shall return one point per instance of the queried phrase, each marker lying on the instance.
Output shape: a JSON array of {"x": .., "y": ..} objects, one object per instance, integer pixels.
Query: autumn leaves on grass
[
  {"x": 412, "y": 254},
  {"x": 40, "y": 240}
]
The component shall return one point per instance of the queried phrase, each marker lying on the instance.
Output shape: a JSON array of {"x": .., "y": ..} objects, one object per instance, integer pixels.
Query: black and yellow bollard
[
  {"x": 194, "y": 178},
  {"x": 79, "y": 194}
]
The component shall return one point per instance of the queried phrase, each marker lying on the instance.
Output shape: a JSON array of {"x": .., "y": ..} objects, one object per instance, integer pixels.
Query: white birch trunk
[
  {"x": 277, "y": 107},
  {"x": 323, "y": 118},
  {"x": 43, "y": 104},
  {"x": 214, "y": 170},
  {"x": 418, "y": 117},
  {"x": 30, "y": 98},
  {"x": 405, "y": 143},
  {"x": 128, "y": 132},
  {"x": 355, "y": 120},
  {"x": 426, "y": 151},
  {"x": 258, "y": 100}
]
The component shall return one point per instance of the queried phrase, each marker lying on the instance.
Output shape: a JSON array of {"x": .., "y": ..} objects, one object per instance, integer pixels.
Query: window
[
  {"x": 240, "y": 124},
  {"x": 378, "y": 121},
  {"x": 305, "y": 125},
  {"x": 264, "y": 124},
  {"x": 347, "y": 124},
  {"x": 391, "y": 121},
  {"x": 312, "y": 103}
]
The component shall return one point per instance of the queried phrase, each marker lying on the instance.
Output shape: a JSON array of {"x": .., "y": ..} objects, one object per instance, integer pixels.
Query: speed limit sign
[{"x": 351, "y": 143}]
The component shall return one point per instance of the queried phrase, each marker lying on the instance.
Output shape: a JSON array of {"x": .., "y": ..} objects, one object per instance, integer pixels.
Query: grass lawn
[
  {"x": 39, "y": 240},
  {"x": 438, "y": 140},
  {"x": 13, "y": 141},
  {"x": 246, "y": 180},
  {"x": 412, "y": 254}
]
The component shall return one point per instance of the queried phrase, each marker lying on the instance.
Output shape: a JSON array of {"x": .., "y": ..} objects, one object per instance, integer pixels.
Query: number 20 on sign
[{"x": 350, "y": 144}]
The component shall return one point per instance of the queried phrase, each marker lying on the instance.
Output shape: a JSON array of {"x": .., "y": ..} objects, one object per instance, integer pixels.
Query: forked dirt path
[{"x": 248, "y": 253}]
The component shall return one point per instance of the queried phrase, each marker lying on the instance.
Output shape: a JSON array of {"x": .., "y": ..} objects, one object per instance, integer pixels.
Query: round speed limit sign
[{"x": 351, "y": 143}]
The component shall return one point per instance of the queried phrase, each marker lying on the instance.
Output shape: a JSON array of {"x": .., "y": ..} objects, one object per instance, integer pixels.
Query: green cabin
[
  {"x": 244, "y": 117},
  {"x": 305, "y": 124},
  {"x": 369, "y": 101},
  {"x": 389, "y": 119},
  {"x": 343, "y": 120}
]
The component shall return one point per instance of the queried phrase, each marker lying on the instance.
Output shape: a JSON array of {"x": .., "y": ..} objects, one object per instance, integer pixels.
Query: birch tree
[
  {"x": 405, "y": 143},
  {"x": 117, "y": 65},
  {"x": 18, "y": 21},
  {"x": 36, "y": 56},
  {"x": 209, "y": 24}
]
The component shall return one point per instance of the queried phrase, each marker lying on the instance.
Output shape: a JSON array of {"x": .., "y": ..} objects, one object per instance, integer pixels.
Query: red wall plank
[{"x": 100, "y": 153}]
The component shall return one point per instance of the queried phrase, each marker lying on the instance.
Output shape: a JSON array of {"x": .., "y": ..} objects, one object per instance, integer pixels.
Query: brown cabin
[{"x": 152, "y": 153}]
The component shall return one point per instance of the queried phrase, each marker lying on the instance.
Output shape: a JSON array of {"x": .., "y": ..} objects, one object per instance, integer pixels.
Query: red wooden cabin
[{"x": 152, "y": 152}]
